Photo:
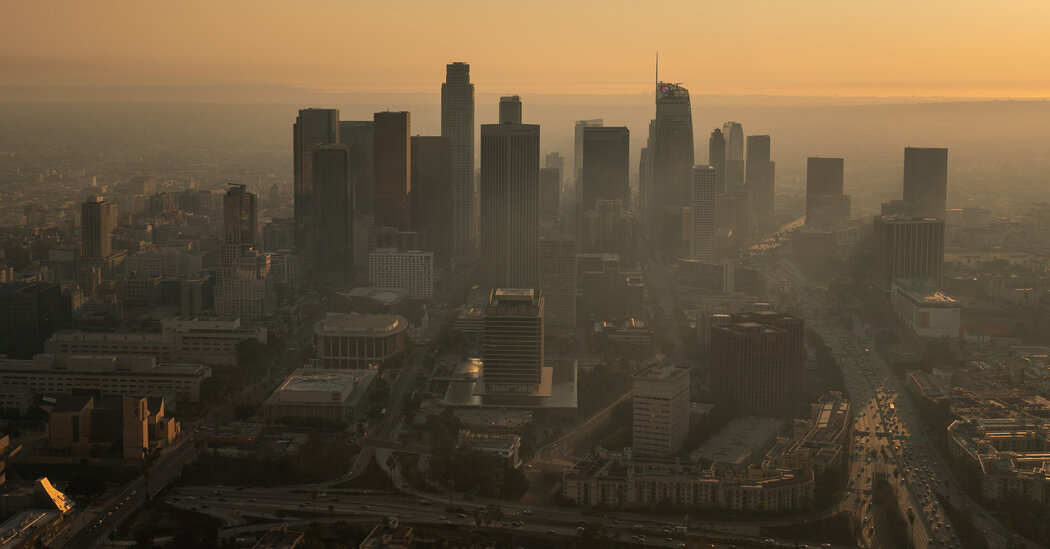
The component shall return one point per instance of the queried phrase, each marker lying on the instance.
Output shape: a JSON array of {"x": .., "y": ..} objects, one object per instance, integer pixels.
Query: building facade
[
  {"x": 457, "y": 125},
  {"x": 512, "y": 341},
  {"x": 412, "y": 271},
  {"x": 356, "y": 341},
  {"x": 558, "y": 280},
  {"x": 661, "y": 410}
]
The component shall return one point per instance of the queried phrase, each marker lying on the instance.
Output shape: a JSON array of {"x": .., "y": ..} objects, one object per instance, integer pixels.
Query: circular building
[{"x": 358, "y": 340}]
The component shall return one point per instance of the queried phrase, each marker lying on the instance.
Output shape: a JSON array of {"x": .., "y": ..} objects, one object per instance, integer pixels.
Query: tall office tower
[
  {"x": 433, "y": 203},
  {"x": 98, "y": 219},
  {"x": 248, "y": 291},
  {"x": 734, "y": 134},
  {"x": 826, "y": 206},
  {"x": 510, "y": 209},
  {"x": 759, "y": 174},
  {"x": 550, "y": 193},
  {"x": 510, "y": 109},
  {"x": 392, "y": 169},
  {"x": 609, "y": 229},
  {"x": 756, "y": 367},
  {"x": 558, "y": 280},
  {"x": 926, "y": 181},
  {"x": 333, "y": 251},
  {"x": 239, "y": 216},
  {"x": 733, "y": 213},
  {"x": 703, "y": 214},
  {"x": 457, "y": 124},
  {"x": 643, "y": 179},
  {"x": 908, "y": 247},
  {"x": 716, "y": 157},
  {"x": 29, "y": 313},
  {"x": 671, "y": 152},
  {"x": 606, "y": 160},
  {"x": 577, "y": 154},
  {"x": 661, "y": 410},
  {"x": 278, "y": 234},
  {"x": 556, "y": 161},
  {"x": 512, "y": 341},
  {"x": 312, "y": 128},
  {"x": 359, "y": 135}
]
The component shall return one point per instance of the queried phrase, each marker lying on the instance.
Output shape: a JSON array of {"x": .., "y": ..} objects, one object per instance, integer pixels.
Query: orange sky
[{"x": 781, "y": 47}]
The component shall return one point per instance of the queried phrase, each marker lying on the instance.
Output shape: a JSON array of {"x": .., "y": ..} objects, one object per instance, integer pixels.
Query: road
[{"x": 887, "y": 422}]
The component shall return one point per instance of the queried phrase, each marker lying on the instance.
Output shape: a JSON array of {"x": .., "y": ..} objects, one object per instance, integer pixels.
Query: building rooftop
[
  {"x": 741, "y": 440},
  {"x": 336, "y": 324},
  {"x": 659, "y": 371},
  {"x": 315, "y": 386}
]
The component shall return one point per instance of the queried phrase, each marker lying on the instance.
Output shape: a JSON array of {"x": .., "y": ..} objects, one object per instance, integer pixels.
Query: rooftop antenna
[{"x": 657, "y": 69}]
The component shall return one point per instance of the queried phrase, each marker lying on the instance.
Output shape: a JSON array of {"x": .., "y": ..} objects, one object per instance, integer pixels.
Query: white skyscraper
[
  {"x": 702, "y": 206},
  {"x": 411, "y": 271}
]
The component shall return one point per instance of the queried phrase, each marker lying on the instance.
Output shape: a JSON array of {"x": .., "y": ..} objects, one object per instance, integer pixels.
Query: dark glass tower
[
  {"x": 457, "y": 125},
  {"x": 312, "y": 128},
  {"x": 606, "y": 171}
]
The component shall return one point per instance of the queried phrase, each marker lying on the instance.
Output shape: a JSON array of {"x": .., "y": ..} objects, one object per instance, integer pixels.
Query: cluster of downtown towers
[{"x": 354, "y": 176}]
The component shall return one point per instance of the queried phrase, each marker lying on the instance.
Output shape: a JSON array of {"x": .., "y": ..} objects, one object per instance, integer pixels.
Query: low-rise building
[
  {"x": 332, "y": 395},
  {"x": 358, "y": 340},
  {"x": 280, "y": 537},
  {"x": 389, "y": 536},
  {"x": 626, "y": 331},
  {"x": 112, "y": 375},
  {"x": 616, "y": 482},
  {"x": 110, "y": 426},
  {"x": 412, "y": 271},
  {"x": 204, "y": 340},
  {"x": 925, "y": 310},
  {"x": 503, "y": 445}
]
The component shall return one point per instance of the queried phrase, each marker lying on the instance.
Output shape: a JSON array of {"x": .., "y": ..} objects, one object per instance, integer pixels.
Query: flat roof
[{"x": 345, "y": 324}]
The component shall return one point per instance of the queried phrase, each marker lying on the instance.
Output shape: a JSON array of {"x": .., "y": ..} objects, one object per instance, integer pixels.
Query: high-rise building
[
  {"x": 433, "y": 200},
  {"x": 703, "y": 214},
  {"x": 671, "y": 156},
  {"x": 512, "y": 341},
  {"x": 550, "y": 192},
  {"x": 510, "y": 109},
  {"x": 391, "y": 170},
  {"x": 278, "y": 234},
  {"x": 661, "y": 410},
  {"x": 926, "y": 181},
  {"x": 556, "y": 161},
  {"x": 510, "y": 164},
  {"x": 239, "y": 217},
  {"x": 716, "y": 157},
  {"x": 757, "y": 362},
  {"x": 734, "y": 134},
  {"x": 558, "y": 279},
  {"x": 312, "y": 128},
  {"x": 29, "y": 313},
  {"x": 98, "y": 220},
  {"x": 411, "y": 271},
  {"x": 733, "y": 213},
  {"x": 826, "y": 206},
  {"x": 577, "y": 153},
  {"x": 457, "y": 124},
  {"x": 606, "y": 159},
  {"x": 908, "y": 247},
  {"x": 333, "y": 250},
  {"x": 359, "y": 135},
  {"x": 760, "y": 176},
  {"x": 609, "y": 228}
]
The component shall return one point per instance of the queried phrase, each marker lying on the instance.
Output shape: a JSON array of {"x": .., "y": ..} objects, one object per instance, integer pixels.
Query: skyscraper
[
  {"x": 661, "y": 410},
  {"x": 577, "y": 154},
  {"x": 239, "y": 216},
  {"x": 510, "y": 109},
  {"x": 826, "y": 205},
  {"x": 606, "y": 159},
  {"x": 558, "y": 279},
  {"x": 333, "y": 211},
  {"x": 759, "y": 174},
  {"x": 716, "y": 157},
  {"x": 457, "y": 124},
  {"x": 510, "y": 163},
  {"x": 757, "y": 362},
  {"x": 926, "y": 181},
  {"x": 391, "y": 169},
  {"x": 702, "y": 214},
  {"x": 734, "y": 134},
  {"x": 908, "y": 247},
  {"x": 359, "y": 135},
  {"x": 672, "y": 149},
  {"x": 433, "y": 203},
  {"x": 512, "y": 340},
  {"x": 550, "y": 193},
  {"x": 555, "y": 160},
  {"x": 98, "y": 219},
  {"x": 312, "y": 128}
]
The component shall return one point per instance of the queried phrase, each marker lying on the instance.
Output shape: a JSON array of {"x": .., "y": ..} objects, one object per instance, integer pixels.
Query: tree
[{"x": 86, "y": 484}]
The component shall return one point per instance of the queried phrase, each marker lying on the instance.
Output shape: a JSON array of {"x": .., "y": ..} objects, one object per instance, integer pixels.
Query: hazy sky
[{"x": 800, "y": 47}]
